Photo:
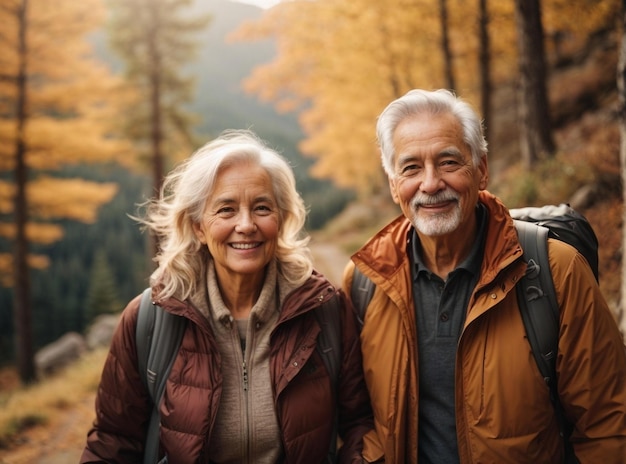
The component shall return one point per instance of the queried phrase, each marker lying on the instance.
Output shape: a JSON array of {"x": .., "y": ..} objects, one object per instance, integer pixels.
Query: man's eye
[
  {"x": 449, "y": 164},
  {"x": 409, "y": 169}
]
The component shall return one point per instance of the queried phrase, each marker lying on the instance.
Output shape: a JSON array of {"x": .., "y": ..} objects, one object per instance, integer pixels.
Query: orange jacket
[{"x": 503, "y": 410}]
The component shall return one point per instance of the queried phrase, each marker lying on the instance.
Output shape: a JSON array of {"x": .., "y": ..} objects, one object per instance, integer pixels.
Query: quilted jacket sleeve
[
  {"x": 122, "y": 404},
  {"x": 355, "y": 414}
]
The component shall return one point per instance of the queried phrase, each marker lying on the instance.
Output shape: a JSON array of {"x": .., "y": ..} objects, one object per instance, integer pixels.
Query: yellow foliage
[
  {"x": 51, "y": 198},
  {"x": 72, "y": 100},
  {"x": 6, "y": 197},
  {"x": 339, "y": 62},
  {"x": 6, "y": 266},
  {"x": 36, "y": 232},
  {"x": 76, "y": 199}
]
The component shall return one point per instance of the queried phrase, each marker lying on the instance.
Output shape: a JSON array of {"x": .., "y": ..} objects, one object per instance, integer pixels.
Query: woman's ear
[{"x": 197, "y": 229}]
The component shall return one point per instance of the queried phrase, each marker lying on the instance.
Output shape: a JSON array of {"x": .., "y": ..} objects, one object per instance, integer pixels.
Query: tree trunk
[
  {"x": 484, "y": 64},
  {"x": 155, "y": 109},
  {"x": 534, "y": 112},
  {"x": 445, "y": 45},
  {"x": 621, "y": 86},
  {"x": 22, "y": 311}
]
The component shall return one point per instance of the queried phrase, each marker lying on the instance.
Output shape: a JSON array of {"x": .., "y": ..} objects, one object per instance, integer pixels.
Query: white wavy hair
[
  {"x": 418, "y": 101},
  {"x": 182, "y": 200}
]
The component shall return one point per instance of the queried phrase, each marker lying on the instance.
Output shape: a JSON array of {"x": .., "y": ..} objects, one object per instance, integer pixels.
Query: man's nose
[{"x": 431, "y": 180}]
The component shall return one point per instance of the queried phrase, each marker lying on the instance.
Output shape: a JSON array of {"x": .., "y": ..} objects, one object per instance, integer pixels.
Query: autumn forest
[{"x": 100, "y": 98}]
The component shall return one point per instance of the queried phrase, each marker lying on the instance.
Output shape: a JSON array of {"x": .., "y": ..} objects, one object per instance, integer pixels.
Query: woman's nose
[{"x": 245, "y": 223}]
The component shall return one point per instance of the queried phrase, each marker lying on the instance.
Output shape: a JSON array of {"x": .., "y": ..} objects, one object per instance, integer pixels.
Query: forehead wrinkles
[
  {"x": 425, "y": 134},
  {"x": 235, "y": 187}
]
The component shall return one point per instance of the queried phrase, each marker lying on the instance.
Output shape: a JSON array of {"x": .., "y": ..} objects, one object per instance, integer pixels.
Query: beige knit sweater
[{"x": 246, "y": 428}]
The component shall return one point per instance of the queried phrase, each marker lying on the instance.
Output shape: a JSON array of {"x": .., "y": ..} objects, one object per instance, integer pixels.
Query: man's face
[{"x": 436, "y": 183}]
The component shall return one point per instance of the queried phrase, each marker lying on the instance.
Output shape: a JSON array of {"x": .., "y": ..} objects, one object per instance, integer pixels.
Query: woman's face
[{"x": 240, "y": 223}]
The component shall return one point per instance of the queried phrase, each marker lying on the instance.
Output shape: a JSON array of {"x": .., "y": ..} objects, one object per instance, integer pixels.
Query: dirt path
[
  {"x": 59, "y": 442},
  {"x": 329, "y": 259}
]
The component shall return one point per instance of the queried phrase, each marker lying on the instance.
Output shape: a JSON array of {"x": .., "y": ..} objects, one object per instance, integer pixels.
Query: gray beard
[{"x": 439, "y": 224}]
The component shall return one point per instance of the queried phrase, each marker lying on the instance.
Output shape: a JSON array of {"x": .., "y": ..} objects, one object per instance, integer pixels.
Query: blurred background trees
[
  {"x": 351, "y": 57},
  {"x": 155, "y": 39},
  {"x": 56, "y": 109},
  {"x": 99, "y": 98}
]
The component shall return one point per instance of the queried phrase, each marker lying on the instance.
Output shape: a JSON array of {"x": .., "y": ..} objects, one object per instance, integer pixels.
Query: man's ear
[
  {"x": 392, "y": 189},
  {"x": 483, "y": 168}
]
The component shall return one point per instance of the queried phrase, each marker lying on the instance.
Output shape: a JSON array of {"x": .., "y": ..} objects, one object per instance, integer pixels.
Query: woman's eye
[
  {"x": 225, "y": 210},
  {"x": 263, "y": 209}
]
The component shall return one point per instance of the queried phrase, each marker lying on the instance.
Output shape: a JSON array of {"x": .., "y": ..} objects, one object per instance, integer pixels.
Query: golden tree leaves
[
  {"x": 59, "y": 106},
  {"x": 339, "y": 62},
  {"x": 53, "y": 198},
  {"x": 35, "y": 261},
  {"x": 36, "y": 232},
  {"x": 75, "y": 199}
]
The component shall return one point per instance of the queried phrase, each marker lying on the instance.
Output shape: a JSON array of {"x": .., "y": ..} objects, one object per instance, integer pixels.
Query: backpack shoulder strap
[
  {"x": 361, "y": 294},
  {"x": 537, "y": 298},
  {"x": 158, "y": 337},
  {"x": 329, "y": 347},
  {"x": 540, "y": 312}
]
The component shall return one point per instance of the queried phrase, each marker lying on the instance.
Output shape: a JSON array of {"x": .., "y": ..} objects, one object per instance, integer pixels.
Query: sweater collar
[{"x": 265, "y": 306}]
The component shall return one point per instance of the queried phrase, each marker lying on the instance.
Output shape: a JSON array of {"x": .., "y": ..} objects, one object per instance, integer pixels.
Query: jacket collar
[{"x": 386, "y": 252}]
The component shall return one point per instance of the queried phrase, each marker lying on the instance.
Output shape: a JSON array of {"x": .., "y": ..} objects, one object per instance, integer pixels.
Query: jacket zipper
[{"x": 245, "y": 376}]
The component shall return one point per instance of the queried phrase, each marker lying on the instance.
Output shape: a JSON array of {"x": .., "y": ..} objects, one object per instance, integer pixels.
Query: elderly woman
[{"x": 247, "y": 384}]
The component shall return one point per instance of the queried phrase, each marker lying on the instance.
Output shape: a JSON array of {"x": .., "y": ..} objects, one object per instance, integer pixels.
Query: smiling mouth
[
  {"x": 439, "y": 205},
  {"x": 245, "y": 246}
]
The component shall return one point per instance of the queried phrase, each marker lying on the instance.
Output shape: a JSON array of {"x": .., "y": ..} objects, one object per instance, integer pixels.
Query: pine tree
[
  {"x": 102, "y": 293},
  {"x": 155, "y": 39},
  {"x": 54, "y": 99}
]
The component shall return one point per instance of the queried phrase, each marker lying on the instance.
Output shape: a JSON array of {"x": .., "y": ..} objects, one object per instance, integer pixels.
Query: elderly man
[{"x": 450, "y": 372}]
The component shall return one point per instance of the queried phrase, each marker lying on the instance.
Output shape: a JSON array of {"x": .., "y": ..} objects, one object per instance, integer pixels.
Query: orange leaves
[
  {"x": 36, "y": 232},
  {"x": 339, "y": 62},
  {"x": 71, "y": 104},
  {"x": 76, "y": 199},
  {"x": 52, "y": 198}
]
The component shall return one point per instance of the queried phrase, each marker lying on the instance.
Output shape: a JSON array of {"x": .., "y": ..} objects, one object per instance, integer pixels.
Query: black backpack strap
[
  {"x": 361, "y": 294},
  {"x": 537, "y": 298},
  {"x": 540, "y": 313},
  {"x": 158, "y": 337},
  {"x": 329, "y": 348}
]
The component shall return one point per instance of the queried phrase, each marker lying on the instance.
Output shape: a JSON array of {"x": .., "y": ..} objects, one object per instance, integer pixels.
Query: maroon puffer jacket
[{"x": 193, "y": 388}]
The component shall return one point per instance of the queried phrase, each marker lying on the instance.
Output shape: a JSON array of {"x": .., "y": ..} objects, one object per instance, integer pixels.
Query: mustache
[{"x": 421, "y": 199}]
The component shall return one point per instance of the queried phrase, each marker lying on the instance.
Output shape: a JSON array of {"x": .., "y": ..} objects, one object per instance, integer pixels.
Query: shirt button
[{"x": 444, "y": 317}]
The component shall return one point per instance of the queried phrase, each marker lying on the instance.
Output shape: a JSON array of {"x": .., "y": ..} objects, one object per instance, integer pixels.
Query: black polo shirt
[{"x": 440, "y": 308}]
